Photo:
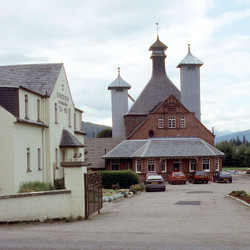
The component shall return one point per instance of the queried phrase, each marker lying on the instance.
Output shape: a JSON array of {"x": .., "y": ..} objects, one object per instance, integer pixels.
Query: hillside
[
  {"x": 233, "y": 136},
  {"x": 92, "y": 129}
]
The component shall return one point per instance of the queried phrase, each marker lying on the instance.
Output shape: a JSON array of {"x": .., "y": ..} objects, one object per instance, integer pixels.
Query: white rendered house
[{"x": 39, "y": 125}]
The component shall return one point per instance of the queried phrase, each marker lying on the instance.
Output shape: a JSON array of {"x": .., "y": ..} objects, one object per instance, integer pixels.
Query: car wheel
[
  {"x": 206, "y": 181},
  {"x": 189, "y": 181},
  {"x": 146, "y": 190},
  {"x": 230, "y": 181},
  {"x": 193, "y": 181},
  {"x": 184, "y": 182},
  {"x": 213, "y": 180}
]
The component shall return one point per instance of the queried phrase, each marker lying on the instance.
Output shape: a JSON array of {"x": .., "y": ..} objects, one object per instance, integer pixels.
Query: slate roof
[
  {"x": 190, "y": 59},
  {"x": 119, "y": 82},
  {"x": 164, "y": 147},
  {"x": 38, "y": 78},
  {"x": 69, "y": 141},
  {"x": 159, "y": 86}
]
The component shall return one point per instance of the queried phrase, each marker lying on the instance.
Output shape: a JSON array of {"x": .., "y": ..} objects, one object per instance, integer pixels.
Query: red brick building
[{"x": 162, "y": 134}]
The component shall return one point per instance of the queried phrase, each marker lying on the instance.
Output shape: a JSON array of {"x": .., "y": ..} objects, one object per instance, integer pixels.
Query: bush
[
  {"x": 125, "y": 178},
  {"x": 34, "y": 186},
  {"x": 59, "y": 184},
  {"x": 237, "y": 193},
  {"x": 136, "y": 188}
]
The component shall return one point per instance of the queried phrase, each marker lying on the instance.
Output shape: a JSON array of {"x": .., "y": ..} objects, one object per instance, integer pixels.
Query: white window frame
[
  {"x": 171, "y": 121},
  {"x": 182, "y": 121},
  {"x": 164, "y": 166},
  {"x": 56, "y": 113},
  {"x": 138, "y": 166},
  {"x": 74, "y": 120},
  {"x": 69, "y": 117},
  {"x": 38, "y": 110},
  {"x": 151, "y": 165},
  {"x": 160, "y": 122},
  {"x": 56, "y": 158},
  {"x": 205, "y": 162},
  {"x": 191, "y": 162},
  {"x": 217, "y": 164}
]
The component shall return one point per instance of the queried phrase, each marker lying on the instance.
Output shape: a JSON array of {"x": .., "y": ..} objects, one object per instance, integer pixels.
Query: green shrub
[
  {"x": 59, "y": 184},
  {"x": 34, "y": 186},
  {"x": 238, "y": 193},
  {"x": 136, "y": 188},
  {"x": 125, "y": 178}
]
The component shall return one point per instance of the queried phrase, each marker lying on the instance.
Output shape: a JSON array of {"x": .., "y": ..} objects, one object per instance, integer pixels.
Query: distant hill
[
  {"x": 233, "y": 136},
  {"x": 92, "y": 129}
]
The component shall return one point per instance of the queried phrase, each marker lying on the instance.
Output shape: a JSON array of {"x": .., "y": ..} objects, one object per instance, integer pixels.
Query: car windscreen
[
  {"x": 225, "y": 174},
  {"x": 178, "y": 174},
  {"x": 201, "y": 173}
]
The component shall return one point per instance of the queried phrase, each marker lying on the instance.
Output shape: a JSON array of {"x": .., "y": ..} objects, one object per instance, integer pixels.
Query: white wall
[
  {"x": 6, "y": 152},
  {"x": 32, "y": 206}
]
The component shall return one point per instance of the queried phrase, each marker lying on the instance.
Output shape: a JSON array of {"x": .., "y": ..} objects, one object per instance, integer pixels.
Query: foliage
[
  {"x": 242, "y": 195},
  {"x": 59, "y": 184},
  {"x": 34, "y": 186},
  {"x": 105, "y": 133},
  {"x": 125, "y": 178},
  {"x": 237, "y": 152},
  {"x": 136, "y": 188}
]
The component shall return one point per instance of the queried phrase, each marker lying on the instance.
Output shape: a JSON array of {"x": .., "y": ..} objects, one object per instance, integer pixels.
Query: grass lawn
[{"x": 233, "y": 168}]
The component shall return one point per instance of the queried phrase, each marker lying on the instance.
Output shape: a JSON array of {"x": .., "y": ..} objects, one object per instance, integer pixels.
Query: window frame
[
  {"x": 39, "y": 159},
  {"x": 28, "y": 160},
  {"x": 137, "y": 164},
  {"x": 204, "y": 164},
  {"x": 116, "y": 163},
  {"x": 171, "y": 121},
  {"x": 56, "y": 113},
  {"x": 164, "y": 167},
  {"x": 160, "y": 121},
  {"x": 190, "y": 165},
  {"x": 38, "y": 103},
  {"x": 151, "y": 164},
  {"x": 182, "y": 121},
  {"x": 26, "y": 107},
  {"x": 217, "y": 164}
]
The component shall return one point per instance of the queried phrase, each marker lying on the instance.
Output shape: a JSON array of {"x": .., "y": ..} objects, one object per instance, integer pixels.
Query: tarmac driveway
[{"x": 192, "y": 216}]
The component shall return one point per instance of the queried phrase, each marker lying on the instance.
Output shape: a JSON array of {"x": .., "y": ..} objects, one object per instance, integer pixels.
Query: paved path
[{"x": 192, "y": 216}]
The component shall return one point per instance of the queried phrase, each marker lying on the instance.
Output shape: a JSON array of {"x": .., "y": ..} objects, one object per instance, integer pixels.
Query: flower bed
[{"x": 242, "y": 195}]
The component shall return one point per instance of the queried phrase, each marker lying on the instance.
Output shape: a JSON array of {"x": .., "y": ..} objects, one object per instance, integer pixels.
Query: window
[
  {"x": 164, "y": 166},
  {"x": 160, "y": 122},
  {"x": 26, "y": 107},
  {"x": 80, "y": 121},
  {"x": 183, "y": 122},
  {"x": 74, "y": 120},
  {"x": 127, "y": 165},
  {"x": 56, "y": 110},
  {"x": 192, "y": 165},
  {"x": 138, "y": 166},
  {"x": 28, "y": 160},
  {"x": 69, "y": 117},
  {"x": 217, "y": 163},
  {"x": 205, "y": 164},
  {"x": 39, "y": 159},
  {"x": 115, "y": 165},
  {"x": 151, "y": 165},
  {"x": 191, "y": 67},
  {"x": 56, "y": 157},
  {"x": 38, "y": 110},
  {"x": 171, "y": 121}
]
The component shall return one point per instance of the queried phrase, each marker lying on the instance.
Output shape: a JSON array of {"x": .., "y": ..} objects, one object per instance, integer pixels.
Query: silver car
[{"x": 154, "y": 182}]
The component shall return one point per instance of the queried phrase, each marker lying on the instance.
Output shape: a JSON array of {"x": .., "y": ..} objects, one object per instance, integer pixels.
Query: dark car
[
  {"x": 222, "y": 176},
  {"x": 177, "y": 177},
  {"x": 198, "y": 176},
  {"x": 155, "y": 182}
]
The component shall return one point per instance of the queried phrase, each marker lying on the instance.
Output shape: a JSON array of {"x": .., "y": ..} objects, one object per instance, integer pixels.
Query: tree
[{"x": 105, "y": 133}]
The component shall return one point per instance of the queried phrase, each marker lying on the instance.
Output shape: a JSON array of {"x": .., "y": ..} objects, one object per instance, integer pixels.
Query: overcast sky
[{"x": 93, "y": 38}]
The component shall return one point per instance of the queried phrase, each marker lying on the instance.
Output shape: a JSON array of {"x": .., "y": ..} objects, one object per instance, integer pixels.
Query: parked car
[
  {"x": 177, "y": 177},
  {"x": 222, "y": 176},
  {"x": 155, "y": 182},
  {"x": 248, "y": 171},
  {"x": 198, "y": 176}
]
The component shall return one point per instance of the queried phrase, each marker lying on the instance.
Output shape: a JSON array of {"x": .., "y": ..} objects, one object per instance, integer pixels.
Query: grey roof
[
  {"x": 119, "y": 82},
  {"x": 69, "y": 141},
  {"x": 164, "y": 147},
  {"x": 190, "y": 59},
  {"x": 157, "y": 89},
  {"x": 38, "y": 78}
]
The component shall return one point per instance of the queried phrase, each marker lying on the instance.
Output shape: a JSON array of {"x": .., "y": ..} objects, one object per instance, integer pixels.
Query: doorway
[{"x": 176, "y": 165}]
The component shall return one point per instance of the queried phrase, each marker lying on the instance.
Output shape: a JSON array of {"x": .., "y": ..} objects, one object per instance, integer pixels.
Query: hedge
[{"x": 125, "y": 178}]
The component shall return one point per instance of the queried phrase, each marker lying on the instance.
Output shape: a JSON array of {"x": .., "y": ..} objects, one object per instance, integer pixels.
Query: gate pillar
[{"x": 74, "y": 181}]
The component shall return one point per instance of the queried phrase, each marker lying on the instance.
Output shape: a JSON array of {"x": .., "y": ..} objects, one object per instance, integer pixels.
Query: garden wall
[{"x": 35, "y": 205}]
